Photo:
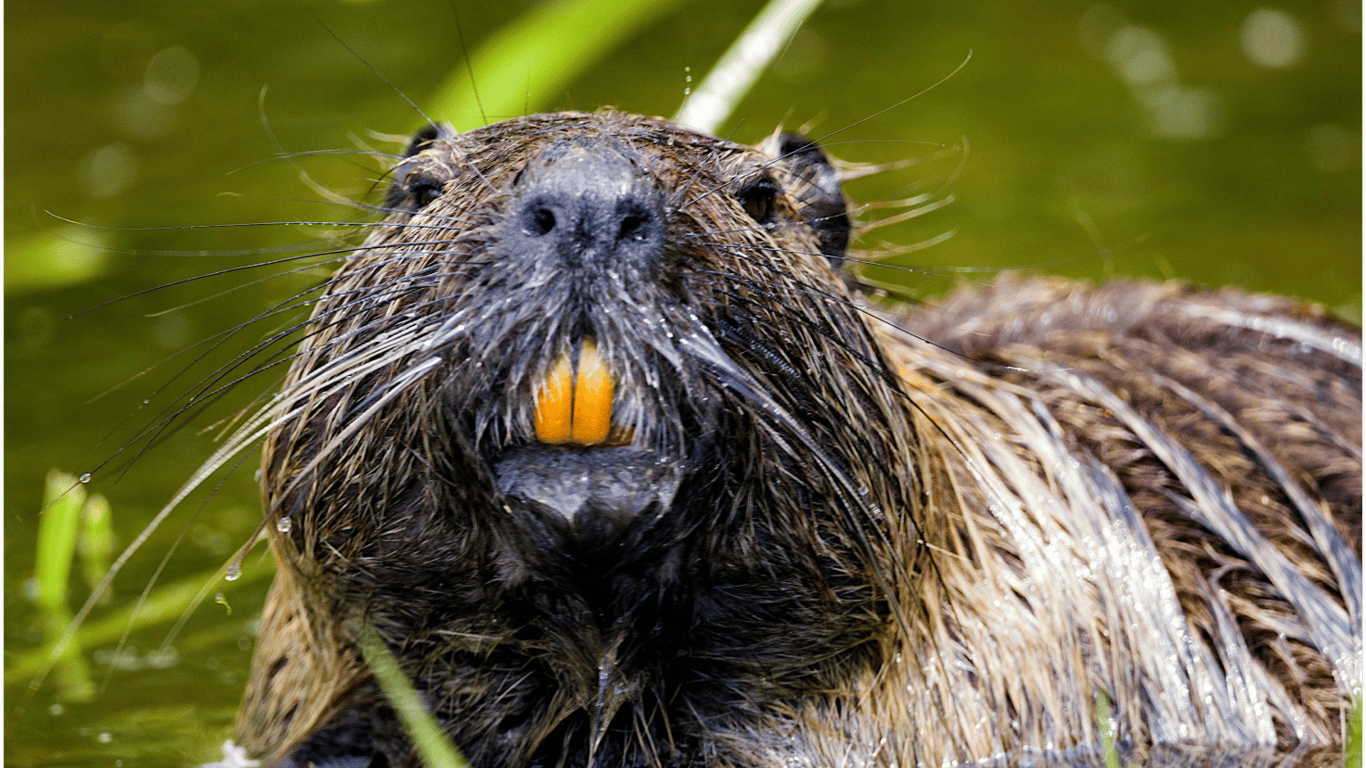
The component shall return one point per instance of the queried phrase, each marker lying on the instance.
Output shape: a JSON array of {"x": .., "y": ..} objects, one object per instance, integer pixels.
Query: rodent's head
[{"x": 597, "y": 331}]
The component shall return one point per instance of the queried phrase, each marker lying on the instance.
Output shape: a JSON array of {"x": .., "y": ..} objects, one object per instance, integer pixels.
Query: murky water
[{"x": 1206, "y": 141}]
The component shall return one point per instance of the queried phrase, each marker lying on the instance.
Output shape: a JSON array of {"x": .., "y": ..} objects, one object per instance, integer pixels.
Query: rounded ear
[
  {"x": 402, "y": 186},
  {"x": 429, "y": 133},
  {"x": 817, "y": 194}
]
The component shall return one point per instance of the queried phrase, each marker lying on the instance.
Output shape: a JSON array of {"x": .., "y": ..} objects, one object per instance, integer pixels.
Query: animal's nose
[{"x": 590, "y": 207}]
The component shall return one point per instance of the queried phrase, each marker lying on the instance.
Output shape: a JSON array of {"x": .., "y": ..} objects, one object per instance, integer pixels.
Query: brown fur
[{"x": 885, "y": 548}]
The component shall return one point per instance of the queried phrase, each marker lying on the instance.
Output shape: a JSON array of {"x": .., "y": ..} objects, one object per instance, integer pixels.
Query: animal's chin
[{"x": 597, "y": 492}]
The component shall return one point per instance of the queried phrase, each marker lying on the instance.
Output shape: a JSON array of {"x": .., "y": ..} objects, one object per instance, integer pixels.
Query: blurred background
[{"x": 1218, "y": 143}]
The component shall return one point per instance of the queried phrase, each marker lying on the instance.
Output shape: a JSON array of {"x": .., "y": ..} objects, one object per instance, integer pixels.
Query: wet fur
[{"x": 888, "y": 548}]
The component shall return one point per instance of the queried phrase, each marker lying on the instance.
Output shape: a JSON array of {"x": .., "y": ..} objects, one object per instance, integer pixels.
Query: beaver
[{"x": 596, "y": 432}]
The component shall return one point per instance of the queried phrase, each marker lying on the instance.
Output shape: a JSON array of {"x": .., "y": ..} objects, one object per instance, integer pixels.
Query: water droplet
[
  {"x": 105, "y": 737},
  {"x": 85, "y": 478},
  {"x": 234, "y": 573},
  {"x": 56, "y": 709},
  {"x": 284, "y": 525}
]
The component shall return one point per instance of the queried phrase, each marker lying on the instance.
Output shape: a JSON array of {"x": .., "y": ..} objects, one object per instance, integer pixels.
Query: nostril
[
  {"x": 632, "y": 228},
  {"x": 539, "y": 221}
]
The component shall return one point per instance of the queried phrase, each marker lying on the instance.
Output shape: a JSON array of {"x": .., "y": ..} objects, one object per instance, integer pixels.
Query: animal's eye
[
  {"x": 424, "y": 191},
  {"x": 758, "y": 200}
]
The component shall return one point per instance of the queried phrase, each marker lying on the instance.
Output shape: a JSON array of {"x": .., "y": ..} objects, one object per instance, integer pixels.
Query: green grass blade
[
  {"x": 63, "y": 497},
  {"x": 431, "y": 742},
  {"x": 57, "y": 526},
  {"x": 1352, "y": 756},
  {"x": 523, "y": 66},
  {"x": 740, "y": 66},
  {"x": 1109, "y": 753}
]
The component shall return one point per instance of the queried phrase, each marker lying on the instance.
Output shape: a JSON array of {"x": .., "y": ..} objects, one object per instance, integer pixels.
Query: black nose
[{"x": 588, "y": 206}]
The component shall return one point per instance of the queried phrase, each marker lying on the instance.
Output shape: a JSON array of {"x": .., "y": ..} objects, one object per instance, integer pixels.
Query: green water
[{"x": 1197, "y": 141}]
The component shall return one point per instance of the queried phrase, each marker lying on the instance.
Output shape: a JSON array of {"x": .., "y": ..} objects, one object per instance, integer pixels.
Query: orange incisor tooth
[
  {"x": 554, "y": 404},
  {"x": 575, "y": 406},
  {"x": 592, "y": 397}
]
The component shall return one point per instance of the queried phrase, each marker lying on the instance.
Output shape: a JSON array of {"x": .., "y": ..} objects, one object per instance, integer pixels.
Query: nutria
[{"x": 597, "y": 434}]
